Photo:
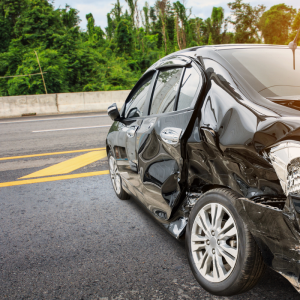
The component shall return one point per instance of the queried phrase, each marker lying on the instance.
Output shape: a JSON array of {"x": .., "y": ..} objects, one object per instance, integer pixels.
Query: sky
[{"x": 202, "y": 9}]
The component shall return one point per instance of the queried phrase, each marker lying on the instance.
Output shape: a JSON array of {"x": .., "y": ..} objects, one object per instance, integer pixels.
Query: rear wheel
[
  {"x": 116, "y": 178},
  {"x": 221, "y": 251}
]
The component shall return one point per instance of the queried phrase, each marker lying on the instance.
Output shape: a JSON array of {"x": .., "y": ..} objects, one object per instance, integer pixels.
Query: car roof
[
  {"x": 191, "y": 52},
  {"x": 214, "y": 52},
  {"x": 234, "y": 46}
]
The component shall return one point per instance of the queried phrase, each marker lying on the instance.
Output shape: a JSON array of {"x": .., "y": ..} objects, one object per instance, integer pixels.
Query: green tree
[
  {"x": 132, "y": 6},
  {"x": 205, "y": 30},
  {"x": 275, "y": 24},
  {"x": 124, "y": 37},
  {"x": 12, "y": 9},
  {"x": 245, "y": 21},
  {"x": 210, "y": 39},
  {"x": 70, "y": 17},
  {"x": 146, "y": 17},
  {"x": 181, "y": 24},
  {"x": 52, "y": 64},
  {"x": 217, "y": 21},
  {"x": 162, "y": 5},
  {"x": 195, "y": 25},
  {"x": 39, "y": 23},
  {"x": 111, "y": 26},
  {"x": 6, "y": 32},
  {"x": 95, "y": 33},
  {"x": 295, "y": 26},
  {"x": 117, "y": 11}
]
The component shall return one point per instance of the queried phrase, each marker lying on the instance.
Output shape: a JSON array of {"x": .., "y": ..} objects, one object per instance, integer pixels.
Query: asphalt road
[{"x": 73, "y": 238}]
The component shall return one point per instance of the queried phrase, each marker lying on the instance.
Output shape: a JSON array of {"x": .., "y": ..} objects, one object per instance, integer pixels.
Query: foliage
[
  {"x": 124, "y": 37},
  {"x": 245, "y": 21},
  {"x": 275, "y": 23},
  {"x": 114, "y": 58},
  {"x": 217, "y": 20},
  {"x": 295, "y": 27},
  {"x": 53, "y": 65}
]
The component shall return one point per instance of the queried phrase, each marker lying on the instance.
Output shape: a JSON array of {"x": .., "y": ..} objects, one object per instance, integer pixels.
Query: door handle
[
  {"x": 171, "y": 135},
  {"x": 131, "y": 131}
]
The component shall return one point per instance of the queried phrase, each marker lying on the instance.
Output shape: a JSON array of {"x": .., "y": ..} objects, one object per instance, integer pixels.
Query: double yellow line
[
  {"x": 48, "y": 154},
  {"x": 61, "y": 168},
  {"x": 56, "y": 178}
]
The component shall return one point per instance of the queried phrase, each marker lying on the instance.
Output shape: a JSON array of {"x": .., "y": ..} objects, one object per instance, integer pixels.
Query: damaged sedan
[{"x": 209, "y": 141}]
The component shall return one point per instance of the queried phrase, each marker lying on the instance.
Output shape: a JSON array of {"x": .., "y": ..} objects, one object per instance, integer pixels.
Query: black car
[{"x": 209, "y": 141}]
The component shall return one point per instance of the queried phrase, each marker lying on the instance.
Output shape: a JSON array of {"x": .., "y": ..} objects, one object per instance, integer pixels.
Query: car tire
[
  {"x": 115, "y": 177},
  {"x": 235, "y": 265}
]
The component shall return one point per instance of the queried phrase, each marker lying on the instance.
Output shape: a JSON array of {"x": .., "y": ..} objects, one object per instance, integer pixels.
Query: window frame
[
  {"x": 199, "y": 88},
  {"x": 198, "y": 91},
  {"x": 177, "y": 93},
  {"x": 134, "y": 90}
]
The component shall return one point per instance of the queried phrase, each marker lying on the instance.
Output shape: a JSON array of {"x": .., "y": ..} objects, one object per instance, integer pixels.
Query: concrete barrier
[{"x": 16, "y": 106}]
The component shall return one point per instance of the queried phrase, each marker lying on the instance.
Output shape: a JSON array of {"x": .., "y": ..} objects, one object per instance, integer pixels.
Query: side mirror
[{"x": 113, "y": 112}]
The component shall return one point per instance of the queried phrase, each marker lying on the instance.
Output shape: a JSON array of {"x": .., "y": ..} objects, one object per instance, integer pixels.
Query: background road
[{"x": 74, "y": 239}]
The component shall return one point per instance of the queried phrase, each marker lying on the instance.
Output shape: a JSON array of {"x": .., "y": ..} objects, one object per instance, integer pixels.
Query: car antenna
[{"x": 293, "y": 46}]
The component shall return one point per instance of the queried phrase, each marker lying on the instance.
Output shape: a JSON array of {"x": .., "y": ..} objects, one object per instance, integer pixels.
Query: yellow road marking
[
  {"x": 69, "y": 165},
  {"x": 57, "y": 178},
  {"x": 54, "y": 153},
  {"x": 73, "y": 128}
]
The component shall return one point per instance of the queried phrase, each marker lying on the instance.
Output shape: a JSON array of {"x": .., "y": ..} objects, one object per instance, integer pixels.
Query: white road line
[
  {"x": 51, "y": 119},
  {"x": 48, "y": 130}
]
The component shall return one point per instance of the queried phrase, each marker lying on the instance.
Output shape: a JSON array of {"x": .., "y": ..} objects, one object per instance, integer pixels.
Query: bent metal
[{"x": 209, "y": 141}]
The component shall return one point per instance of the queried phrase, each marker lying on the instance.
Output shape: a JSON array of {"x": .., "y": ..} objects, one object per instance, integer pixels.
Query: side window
[
  {"x": 135, "y": 106},
  {"x": 189, "y": 87},
  {"x": 165, "y": 91}
]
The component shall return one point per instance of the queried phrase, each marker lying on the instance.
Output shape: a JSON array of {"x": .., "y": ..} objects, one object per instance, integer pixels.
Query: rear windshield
[{"x": 269, "y": 71}]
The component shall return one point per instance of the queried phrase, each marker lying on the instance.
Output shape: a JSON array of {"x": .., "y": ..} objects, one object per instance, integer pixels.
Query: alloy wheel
[
  {"x": 214, "y": 242},
  {"x": 115, "y": 177}
]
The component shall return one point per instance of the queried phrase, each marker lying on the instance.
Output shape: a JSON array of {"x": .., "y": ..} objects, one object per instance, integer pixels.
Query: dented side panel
[
  {"x": 276, "y": 235},
  {"x": 160, "y": 163},
  {"x": 226, "y": 153}
]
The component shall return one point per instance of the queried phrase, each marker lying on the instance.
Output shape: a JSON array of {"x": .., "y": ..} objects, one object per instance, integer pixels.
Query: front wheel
[
  {"x": 222, "y": 253},
  {"x": 116, "y": 179}
]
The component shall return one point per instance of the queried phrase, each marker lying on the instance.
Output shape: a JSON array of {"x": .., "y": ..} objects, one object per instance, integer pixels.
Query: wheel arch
[
  {"x": 209, "y": 187},
  {"x": 202, "y": 189}
]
